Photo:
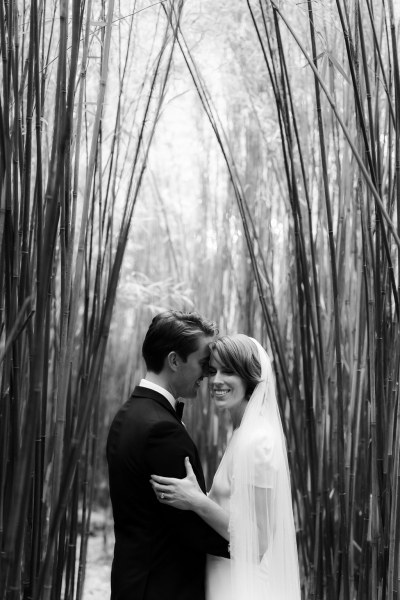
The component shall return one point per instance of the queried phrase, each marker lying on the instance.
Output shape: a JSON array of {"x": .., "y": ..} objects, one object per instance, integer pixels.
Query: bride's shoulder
[
  {"x": 260, "y": 454},
  {"x": 260, "y": 444},
  {"x": 264, "y": 437}
]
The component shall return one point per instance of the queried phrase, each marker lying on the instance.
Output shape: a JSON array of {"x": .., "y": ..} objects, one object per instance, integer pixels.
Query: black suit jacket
[{"x": 159, "y": 550}]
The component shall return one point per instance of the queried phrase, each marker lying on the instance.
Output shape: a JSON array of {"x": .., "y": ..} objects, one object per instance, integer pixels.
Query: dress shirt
[{"x": 157, "y": 388}]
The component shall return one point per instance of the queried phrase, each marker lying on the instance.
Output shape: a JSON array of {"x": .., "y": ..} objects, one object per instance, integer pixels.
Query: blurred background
[{"x": 240, "y": 159}]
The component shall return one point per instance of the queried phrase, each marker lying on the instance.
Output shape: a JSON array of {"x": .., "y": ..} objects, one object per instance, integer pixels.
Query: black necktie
[{"x": 179, "y": 409}]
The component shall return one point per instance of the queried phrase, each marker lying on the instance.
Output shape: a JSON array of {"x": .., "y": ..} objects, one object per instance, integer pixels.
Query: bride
[{"x": 250, "y": 499}]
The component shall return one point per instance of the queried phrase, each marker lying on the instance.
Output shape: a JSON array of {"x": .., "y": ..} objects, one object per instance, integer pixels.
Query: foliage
[
  {"x": 64, "y": 223},
  {"x": 303, "y": 105},
  {"x": 270, "y": 203},
  {"x": 329, "y": 302}
]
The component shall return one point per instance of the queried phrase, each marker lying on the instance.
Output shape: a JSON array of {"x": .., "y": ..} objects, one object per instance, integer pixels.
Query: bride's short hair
[{"x": 239, "y": 354}]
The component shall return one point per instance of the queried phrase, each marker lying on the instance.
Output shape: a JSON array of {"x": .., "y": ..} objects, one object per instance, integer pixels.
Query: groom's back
[{"x": 153, "y": 556}]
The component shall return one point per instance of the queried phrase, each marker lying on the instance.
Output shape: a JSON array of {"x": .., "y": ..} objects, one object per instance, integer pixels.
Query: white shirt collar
[{"x": 157, "y": 388}]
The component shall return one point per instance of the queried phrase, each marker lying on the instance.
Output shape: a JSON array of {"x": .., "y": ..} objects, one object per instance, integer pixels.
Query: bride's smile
[{"x": 218, "y": 393}]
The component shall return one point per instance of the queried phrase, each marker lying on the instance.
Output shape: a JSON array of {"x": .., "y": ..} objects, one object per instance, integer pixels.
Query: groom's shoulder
[
  {"x": 145, "y": 406},
  {"x": 140, "y": 418}
]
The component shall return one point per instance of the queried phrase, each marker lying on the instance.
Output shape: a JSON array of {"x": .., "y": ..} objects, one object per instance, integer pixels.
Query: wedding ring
[{"x": 162, "y": 495}]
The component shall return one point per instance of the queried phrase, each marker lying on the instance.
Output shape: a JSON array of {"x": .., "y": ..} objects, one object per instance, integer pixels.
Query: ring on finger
[{"x": 162, "y": 495}]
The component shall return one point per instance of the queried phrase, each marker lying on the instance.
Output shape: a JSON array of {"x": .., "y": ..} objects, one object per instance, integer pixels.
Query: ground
[{"x": 99, "y": 557}]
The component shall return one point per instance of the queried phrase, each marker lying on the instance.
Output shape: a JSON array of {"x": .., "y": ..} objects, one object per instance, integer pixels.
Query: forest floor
[{"x": 99, "y": 557}]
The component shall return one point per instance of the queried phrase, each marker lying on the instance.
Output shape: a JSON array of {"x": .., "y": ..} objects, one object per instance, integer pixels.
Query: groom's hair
[{"x": 176, "y": 331}]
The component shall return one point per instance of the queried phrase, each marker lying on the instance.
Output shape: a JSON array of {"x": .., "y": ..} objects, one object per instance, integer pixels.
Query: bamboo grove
[
  {"x": 349, "y": 367},
  {"x": 62, "y": 243},
  {"x": 337, "y": 352},
  {"x": 304, "y": 255}
]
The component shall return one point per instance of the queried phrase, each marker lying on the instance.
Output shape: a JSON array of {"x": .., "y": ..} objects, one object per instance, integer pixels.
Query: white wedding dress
[{"x": 218, "y": 570}]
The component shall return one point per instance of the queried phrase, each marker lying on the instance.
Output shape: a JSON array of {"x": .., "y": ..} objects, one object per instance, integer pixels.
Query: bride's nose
[{"x": 216, "y": 377}]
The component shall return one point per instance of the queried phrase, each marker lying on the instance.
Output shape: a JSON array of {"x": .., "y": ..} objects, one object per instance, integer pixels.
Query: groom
[{"x": 160, "y": 551}]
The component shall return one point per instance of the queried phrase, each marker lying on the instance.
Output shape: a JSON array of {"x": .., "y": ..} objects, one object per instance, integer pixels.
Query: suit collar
[
  {"x": 144, "y": 392},
  {"x": 157, "y": 388}
]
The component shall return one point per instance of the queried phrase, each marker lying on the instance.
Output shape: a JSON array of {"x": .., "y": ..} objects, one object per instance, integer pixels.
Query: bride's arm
[
  {"x": 186, "y": 494},
  {"x": 264, "y": 518},
  {"x": 213, "y": 515}
]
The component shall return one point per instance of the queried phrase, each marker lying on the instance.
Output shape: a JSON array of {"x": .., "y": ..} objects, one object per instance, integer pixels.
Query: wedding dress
[
  {"x": 218, "y": 573},
  {"x": 252, "y": 485},
  {"x": 218, "y": 570}
]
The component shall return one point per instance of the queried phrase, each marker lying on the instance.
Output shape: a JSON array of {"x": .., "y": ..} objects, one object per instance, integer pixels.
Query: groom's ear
[{"x": 173, "y": 360}]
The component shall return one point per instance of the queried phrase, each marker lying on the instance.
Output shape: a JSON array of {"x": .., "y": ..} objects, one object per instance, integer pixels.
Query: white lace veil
[{"x": 262, "y": 533}]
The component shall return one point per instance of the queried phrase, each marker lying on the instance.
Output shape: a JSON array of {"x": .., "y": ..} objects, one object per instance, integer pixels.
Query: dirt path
[{"x": 98, "y": 564}]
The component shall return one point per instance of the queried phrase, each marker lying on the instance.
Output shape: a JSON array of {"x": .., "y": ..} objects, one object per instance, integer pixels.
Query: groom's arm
[{"x": 167, "y": 446}]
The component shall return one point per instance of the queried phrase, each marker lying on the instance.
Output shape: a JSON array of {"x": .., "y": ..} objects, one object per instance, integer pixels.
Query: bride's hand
[{"x": 185, "y": 493}]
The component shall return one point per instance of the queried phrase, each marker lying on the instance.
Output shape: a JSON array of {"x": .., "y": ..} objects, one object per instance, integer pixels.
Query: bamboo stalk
[
  {"x": 343, "y": 579},
  {"x": 345, "y": 131}
]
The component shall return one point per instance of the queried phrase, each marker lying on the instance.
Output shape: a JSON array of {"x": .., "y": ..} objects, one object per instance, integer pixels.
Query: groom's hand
[{"x": 184, "y": 494}]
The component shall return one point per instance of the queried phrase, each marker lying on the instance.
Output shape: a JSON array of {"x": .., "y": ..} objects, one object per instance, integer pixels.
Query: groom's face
[{"x": 192, "y": 371}]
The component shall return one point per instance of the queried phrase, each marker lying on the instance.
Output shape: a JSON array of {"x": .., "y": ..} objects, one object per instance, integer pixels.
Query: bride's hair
[{"x": 239, "y": 353}]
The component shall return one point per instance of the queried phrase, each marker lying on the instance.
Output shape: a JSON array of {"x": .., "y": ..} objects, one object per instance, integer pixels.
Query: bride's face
[{"x": 227, "y": 388}]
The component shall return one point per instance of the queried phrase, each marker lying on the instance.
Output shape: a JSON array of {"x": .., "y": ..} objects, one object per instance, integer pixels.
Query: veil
[{"x": 264, "y": 561}]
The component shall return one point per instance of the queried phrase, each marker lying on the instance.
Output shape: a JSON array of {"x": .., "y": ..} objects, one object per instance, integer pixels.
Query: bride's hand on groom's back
[{"x": 184, "y": 494}]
